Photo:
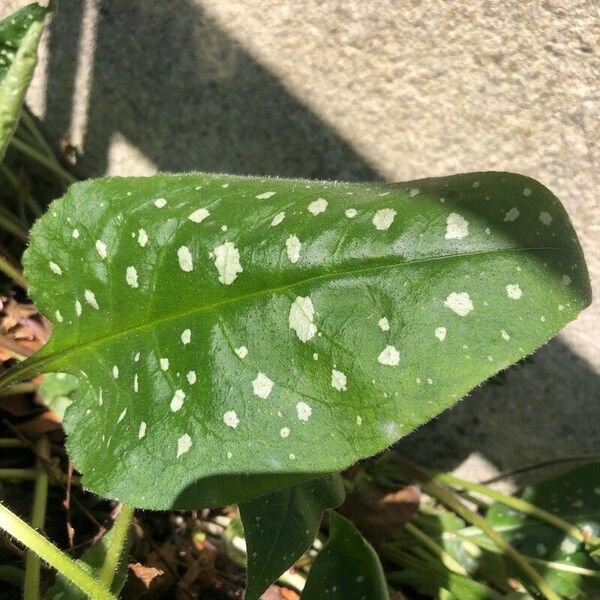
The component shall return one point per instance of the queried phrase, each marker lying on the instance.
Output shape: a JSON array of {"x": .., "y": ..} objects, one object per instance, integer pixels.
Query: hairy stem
[
  {"x": 118, "y": 540},
  {"x": 50, "y": 554},
  {"x": 31, "y": 589}
]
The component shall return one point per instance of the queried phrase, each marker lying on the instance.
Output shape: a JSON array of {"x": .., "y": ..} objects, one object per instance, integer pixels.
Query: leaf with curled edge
[
  {"x": 19, "y": 37},
  {"x": 233, "y": 335}
]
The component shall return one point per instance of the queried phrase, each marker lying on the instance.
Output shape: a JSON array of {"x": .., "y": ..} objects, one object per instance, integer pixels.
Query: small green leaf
[
  {"x": 92, "y": 561},
  {"x": 347, "y": 568},
  {"x": 278, "y": 329},
  {"x": 19, "y": 37},
  {"x": 56, "y": 392},
  {"x": 281, "y": 526},
  {"x": 575, "y": 497}
]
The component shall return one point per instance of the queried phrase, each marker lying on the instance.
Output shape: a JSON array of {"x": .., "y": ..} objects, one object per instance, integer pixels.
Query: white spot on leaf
[
  {"x": 338, "y": 380},
  {"x": 90, "y": 298},
  {"x": 227, "y": 262},
  {"x": 566, "y": 280},
  {"x": 389, "y": 356},
  {"x": 304, "y": 411},
  {"x": 142, "y": 237},
  {"x": 277, "y": 219},
  {"x": 460, "y": 303},
  {"x": 142, "y": 430},
  {"x": 301, "y": 317},
  {"x": 191, "y": 377},
  {"x": 457, "y": 227},
  {"x": 199, "y": 215},
  {"x": 511, "y": 215},
  {"x": 78, "y": 308},
  {"x": 504, "y": 335},
  {"x": 440, "y": 333},
  {"x": 545, "y": 218},
  {"x": 186, "y": 336},
  {"x": 75, "y": 234},
  {"x": 284, "y": 432},
  {"x": 164, "y": 364},
  {"x": 230, "y": 419},
  {"x": 242, "y": 351},
  {"x": 177, "y": 400},
  {"x": 115, "y": 372},
  {"x": 384, "y": 218},
  {"x": 293, "y": 246},
  {"x": 318, "y": 206},
  {"x": 262, "y": 386},
  {"x": 101, "y": 249},
  {"x": 384, "y": 324},
  {"x": 184, "y": 443},
  {"x": 55, "y": 268},
  {"x": 122, "y": 415},
  {"x": 513, "y": 290},
  {"x": 351, "y": 213},
  {"x": 160, "y": 202},
  {"x": 265, "y": 195},
  {"x": 131, "y": 277},
  {"x": 185, "y": 259}
]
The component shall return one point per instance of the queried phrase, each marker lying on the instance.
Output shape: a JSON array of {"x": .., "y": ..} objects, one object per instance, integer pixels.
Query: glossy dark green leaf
[
  {"x": 281, "y": 526},
  {"x": 347, "y": 568},
  {"x": 92, "y": 561},
  {"x": 19, "y": 37},
  {"x": 223, "y": 326},
  {"x": 575, "y": 497}
]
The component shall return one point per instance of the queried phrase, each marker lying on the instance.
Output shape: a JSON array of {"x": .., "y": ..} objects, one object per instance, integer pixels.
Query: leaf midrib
[{"x": 40, "y": 360}]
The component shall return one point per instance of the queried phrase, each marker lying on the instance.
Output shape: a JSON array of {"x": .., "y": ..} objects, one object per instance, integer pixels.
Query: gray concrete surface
[{"x": 357, "y": 90}]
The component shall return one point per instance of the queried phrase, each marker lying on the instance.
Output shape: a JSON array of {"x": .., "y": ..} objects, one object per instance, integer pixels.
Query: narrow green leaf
[
  {"x": 92, "y": 561},
  {"x": 347, "y": 568},
  {"x": 281, "y": 526},
  {"x": 19, "y": 37},
  {"x": 283, "y": 329}
]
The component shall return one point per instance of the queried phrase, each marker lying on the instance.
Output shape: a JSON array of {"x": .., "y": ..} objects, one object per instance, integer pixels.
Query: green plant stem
[
  {"x": 440, "y": 491},
  {"x": 18, "y": 474},
  {"x": 445, "y": 557},
  {"x": 11, "y": 443},
  {"x": 12, "y": 272},
  {"x": 50, "y": 164},
  {"x": 114, "y": 552},
  {"x": 9, "y": 224},
  {"x": 40, "y": 140},
  {"x": 516, "y": 503},
  {"x": 31, "y": 588},
  {"x": 12, "y": 180},
  {"x": 50, "y": 554}
]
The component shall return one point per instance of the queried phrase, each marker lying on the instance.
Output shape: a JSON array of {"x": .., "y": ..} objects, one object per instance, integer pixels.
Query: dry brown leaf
[{"x": 145, "y": 574}]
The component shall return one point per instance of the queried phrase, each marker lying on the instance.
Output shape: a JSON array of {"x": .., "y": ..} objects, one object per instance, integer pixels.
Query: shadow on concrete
[
  {"x": 169, "y": 80},
  {"x": 188, "y": 97}
]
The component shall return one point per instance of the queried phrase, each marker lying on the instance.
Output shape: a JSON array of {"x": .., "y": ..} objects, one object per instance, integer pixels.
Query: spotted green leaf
[
  {"x": 347, "y": 568},
  {"x": 232, "y": 335},
  {"x": 281, "y": 526},
  {"x": 19, "y": 37}
]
